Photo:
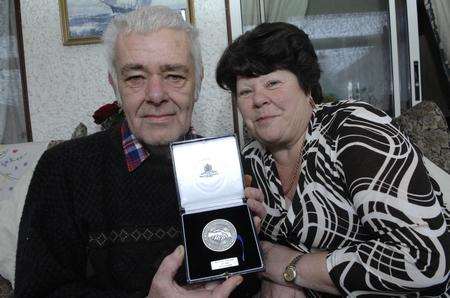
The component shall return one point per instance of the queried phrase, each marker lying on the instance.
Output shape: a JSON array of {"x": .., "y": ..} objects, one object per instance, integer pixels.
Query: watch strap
[{"x": 291, "y": 270}]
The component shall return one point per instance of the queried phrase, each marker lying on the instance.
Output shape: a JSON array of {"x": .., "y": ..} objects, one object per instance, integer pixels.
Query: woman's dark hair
[{"x": 267, "y": 48}]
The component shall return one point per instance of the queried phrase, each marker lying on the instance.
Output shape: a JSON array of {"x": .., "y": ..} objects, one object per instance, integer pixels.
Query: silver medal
[{"x": 219, "y": 235}]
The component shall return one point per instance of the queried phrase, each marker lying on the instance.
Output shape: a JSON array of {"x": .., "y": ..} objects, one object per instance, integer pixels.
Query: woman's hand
[
  {"x": 255, "y": 198},
  {"x": 255, "y": 201},
  {"x": 276, "y": 258},
  {"x": 273, "y": 290},
  {"x": 312, "y": 275},
  {"x": 163, "y": 284}
]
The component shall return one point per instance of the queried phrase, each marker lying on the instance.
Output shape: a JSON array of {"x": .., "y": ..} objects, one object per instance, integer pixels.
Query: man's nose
[{"x": 155, "y": 90}]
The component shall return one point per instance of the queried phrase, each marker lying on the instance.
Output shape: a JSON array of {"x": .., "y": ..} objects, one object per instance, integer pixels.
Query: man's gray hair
[{"x": 151, "y": 19}]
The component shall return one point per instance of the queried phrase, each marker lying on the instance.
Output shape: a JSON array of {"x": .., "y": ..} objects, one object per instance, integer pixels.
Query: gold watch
[{"x": 290, "y": 272}]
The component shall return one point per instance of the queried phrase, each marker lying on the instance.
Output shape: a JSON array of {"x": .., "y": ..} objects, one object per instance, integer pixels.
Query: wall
[{"x": 66, "y": 84}]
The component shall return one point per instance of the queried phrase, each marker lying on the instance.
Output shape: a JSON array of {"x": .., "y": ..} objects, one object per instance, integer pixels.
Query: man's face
[{"x": 156, "y": 81}]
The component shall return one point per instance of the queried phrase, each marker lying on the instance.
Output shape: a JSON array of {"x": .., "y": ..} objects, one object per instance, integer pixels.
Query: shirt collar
[{"x": 135, "y": 152}]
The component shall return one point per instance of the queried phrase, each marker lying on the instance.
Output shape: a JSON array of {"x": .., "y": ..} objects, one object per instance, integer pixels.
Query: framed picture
[{"x": 83, "y": 21}]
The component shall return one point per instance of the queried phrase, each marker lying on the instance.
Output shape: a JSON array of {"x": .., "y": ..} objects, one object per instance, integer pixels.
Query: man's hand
[
  {"x": 270, "y": 289},
  {"x": 163, "y": 284}
]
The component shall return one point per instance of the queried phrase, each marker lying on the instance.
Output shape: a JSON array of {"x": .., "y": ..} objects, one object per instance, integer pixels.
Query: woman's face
[{"x": 275, "y": 108}]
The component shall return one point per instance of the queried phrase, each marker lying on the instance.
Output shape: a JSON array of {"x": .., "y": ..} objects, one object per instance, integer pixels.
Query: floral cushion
[
  {"x": 17, "y": 163},
  {"x": 15, "y": 160}
]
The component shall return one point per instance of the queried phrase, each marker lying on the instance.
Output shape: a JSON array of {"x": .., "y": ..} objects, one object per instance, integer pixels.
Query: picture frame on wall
[{"x": 83, "y": 21}]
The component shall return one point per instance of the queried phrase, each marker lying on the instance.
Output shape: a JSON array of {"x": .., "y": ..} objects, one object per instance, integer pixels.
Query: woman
[{"x": 344, "y": 197}]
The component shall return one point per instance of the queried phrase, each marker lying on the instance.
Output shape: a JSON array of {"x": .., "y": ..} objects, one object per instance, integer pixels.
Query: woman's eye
[
  {"x": 271, "y": 84},
  {"x": 244, "y": 93}
]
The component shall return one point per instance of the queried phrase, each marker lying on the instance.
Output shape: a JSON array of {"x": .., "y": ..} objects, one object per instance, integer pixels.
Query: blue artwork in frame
[{"x": 83, "y": 21}]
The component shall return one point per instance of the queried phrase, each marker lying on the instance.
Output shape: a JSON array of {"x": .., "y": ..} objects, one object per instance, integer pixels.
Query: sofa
[
  {"x": 17, "y": 163},
  {"x": 424, "y": 124},
  {"x": 427, "y": 128}
]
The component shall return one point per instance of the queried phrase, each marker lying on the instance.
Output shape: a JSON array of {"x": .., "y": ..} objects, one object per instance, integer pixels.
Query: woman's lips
[{"x": 265, "y": 118}]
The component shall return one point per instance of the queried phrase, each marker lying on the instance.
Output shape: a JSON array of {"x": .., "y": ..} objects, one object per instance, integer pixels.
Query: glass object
[
  {"x": 352, "y": 39},
  {"x": 403, "y": 47}
]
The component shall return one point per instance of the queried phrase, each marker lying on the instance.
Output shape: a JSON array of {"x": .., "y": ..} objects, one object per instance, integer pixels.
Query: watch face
[{"x": 289, "y": 274}]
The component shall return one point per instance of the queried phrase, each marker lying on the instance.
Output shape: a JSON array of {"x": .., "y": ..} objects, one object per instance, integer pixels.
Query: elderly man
[{"x": 101, "y": 216}]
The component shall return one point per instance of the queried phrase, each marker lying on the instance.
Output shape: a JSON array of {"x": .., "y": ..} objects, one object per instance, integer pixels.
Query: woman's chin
[{"x": 269, "y": 140}]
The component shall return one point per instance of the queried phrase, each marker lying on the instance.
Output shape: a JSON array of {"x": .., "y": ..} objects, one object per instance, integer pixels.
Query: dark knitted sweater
[{"x": 89, "y": 227}]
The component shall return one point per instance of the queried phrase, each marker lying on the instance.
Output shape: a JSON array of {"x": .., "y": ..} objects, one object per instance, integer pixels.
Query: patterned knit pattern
[
  {"x": 365, "y": 196},
  {"x": 90, "y": 228}
]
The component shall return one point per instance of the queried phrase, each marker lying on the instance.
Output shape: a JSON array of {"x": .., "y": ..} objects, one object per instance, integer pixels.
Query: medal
[{"x": 219, "y": 235}]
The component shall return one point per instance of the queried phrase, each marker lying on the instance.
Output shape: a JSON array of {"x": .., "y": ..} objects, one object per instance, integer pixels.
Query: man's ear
[
  {"x": 113, "y": 85},
  {"x": 202, "y": 74},
  {"x": 111, "y": 81}
]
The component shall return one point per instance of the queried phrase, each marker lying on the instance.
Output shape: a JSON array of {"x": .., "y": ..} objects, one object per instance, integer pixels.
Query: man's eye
[
  {"x": 134, "y": 79},
  {"x": 175, "y": 78}
]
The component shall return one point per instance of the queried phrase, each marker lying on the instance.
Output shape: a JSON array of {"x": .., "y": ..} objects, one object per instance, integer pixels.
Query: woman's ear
[{"x": 311, "y": 100}]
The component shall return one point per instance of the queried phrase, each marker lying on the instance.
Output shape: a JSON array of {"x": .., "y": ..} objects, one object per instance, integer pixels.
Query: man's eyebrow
[
  {"x": 174, "y": 67},
  {"x": 130, "y": 67}
]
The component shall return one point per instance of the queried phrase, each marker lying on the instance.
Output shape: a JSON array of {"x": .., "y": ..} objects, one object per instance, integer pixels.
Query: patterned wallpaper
[{"x": 66, "y": 84}]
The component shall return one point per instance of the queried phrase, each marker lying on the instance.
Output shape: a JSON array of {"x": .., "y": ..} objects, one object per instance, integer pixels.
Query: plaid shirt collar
[{"x": 135, "y": 153}]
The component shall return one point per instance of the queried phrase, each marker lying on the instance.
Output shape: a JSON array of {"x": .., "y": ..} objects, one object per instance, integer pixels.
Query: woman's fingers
[
  {"x": 257, "y": 223},
  {"x": 255, "y": 202},
  {"x": 247, "y": 180},
  {"x": 254, "y": 194}
]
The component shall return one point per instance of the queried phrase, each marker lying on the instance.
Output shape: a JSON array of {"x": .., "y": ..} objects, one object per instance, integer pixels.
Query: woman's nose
[{"x": 260, "y": 98}]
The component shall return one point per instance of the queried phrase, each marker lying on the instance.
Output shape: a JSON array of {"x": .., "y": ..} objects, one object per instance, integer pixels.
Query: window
[{"x": 14, "y": 115}]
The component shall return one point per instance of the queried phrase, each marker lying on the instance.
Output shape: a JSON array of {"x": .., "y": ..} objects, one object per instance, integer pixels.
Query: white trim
[
  {"x": 241, "y": 128},
  {"x": 394, "y": 56},
  {"x": 262, "y": 11},
  {"x": 236, "y": 31},
  {"x": 414, "y": 50},
  {"x": 235, "y": 18}
]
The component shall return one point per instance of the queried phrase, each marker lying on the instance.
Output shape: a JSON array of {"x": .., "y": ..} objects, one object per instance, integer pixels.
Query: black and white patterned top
[{"x": 365, "y": 196}]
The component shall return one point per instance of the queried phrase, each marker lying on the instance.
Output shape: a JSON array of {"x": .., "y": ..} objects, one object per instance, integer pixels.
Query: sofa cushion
[
  {"x": 5, "y": 289},
  {"x": 17, "y": 163},
  {"x": 426, "y": 126}
]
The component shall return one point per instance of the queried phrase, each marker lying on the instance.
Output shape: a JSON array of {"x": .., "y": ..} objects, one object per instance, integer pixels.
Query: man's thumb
[{"x": 172, "y": 262}]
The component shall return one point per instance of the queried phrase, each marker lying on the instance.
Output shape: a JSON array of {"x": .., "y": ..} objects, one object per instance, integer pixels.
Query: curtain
[
  {"x": 12, "y": 118},
  {"x": 275, "y": 11},
  {"x": 284, "y": 10},
  {"x": 439, "y": 13}
]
